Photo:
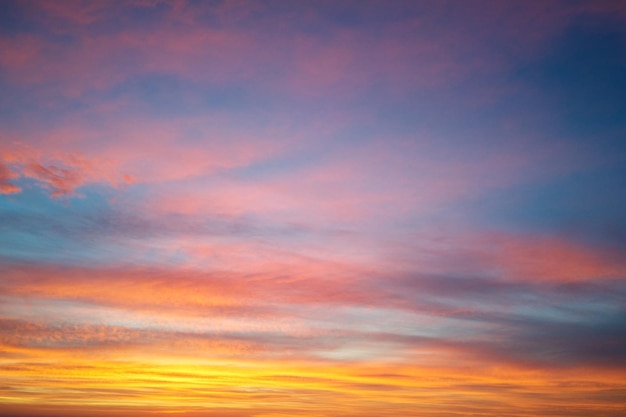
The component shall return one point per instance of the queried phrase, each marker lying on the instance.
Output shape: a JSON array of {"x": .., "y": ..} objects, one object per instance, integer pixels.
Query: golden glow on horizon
[{"x": 169, "y": 383}]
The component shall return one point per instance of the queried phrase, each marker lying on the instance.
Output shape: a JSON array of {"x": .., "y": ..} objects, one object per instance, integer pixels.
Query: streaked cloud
[{"x": 266, "y": 208}]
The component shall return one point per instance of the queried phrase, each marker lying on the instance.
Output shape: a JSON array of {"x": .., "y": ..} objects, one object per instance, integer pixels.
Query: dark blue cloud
[
  {"x": 13, "y": 18},
  {"x": 598, "y": 340}
]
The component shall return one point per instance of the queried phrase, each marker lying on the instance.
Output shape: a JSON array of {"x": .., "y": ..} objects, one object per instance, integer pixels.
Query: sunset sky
[{"x": 313, "y": 208}]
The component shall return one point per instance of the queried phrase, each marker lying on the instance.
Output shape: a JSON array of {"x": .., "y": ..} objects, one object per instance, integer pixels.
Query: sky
[{"x": 352, "y": 208}]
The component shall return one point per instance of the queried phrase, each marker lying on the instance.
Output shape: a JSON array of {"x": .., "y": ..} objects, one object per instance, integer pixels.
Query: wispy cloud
[
  {"x": 6, "y": 175},
  {"x": 265, "y": 208}
]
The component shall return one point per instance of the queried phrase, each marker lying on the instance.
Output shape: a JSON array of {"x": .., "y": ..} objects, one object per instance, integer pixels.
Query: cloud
[
  {"x": 351, "y": 313},
  {"x": 522, "y": 258},
  {"x": 58, "y": 172},
  {"x": 60, "y": 181},
  {"x": 593, "y": 341},
  {"x": 83, "y": 338},
  {"x": 209, "y": 42},
  {"x": 292, "y": 223},
  {"x": 6, "y": 175}
]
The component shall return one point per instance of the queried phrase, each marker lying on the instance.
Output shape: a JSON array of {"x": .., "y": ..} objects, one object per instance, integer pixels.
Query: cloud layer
[{"x": 266, "y": 208}]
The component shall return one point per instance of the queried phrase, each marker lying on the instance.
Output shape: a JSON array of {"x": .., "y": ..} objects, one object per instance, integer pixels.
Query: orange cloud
[
  {"x": 135, "y": 289},
  {"x": 143, "y": 386},
  {"x": 194, "y": 292},
  {"x": 6, "y": 175}
]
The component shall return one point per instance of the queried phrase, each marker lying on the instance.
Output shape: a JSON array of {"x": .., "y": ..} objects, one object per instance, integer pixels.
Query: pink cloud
[
  {"x": 6, "y": 175},
  {"x": 60, "y": 181},
  {"x": 136, "y": 150},
  {"x": 506, "y": 257},
  {"x": 538, "y": 258},
  {"x": 97, "y": 62},
  {"x": 60, "y": 173},
  {"x": 251, "y": 44},
  {"x": 385, "y": 178},
  {"x": 290, "y": 280},
  {"x": 19, "y": 53}
]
